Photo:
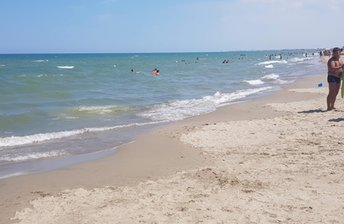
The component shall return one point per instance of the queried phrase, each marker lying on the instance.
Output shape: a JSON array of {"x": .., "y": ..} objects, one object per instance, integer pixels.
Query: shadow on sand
[
  {"x": 336, "y": 119},
  {"x": 312, "y": 111}
]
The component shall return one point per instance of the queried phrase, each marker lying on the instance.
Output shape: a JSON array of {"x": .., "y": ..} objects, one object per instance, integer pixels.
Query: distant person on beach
[{"x": 335, "y": 68}]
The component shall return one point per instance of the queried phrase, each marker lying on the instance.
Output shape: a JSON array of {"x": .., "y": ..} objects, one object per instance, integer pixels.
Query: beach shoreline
[{"x": 174, "y": 152}]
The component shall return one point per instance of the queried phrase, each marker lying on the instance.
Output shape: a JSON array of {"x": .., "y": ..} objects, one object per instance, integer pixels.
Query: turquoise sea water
[{"x": 55, "y": 106}]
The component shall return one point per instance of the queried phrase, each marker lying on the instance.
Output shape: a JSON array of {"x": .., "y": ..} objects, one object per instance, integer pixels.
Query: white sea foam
[
  {"x": 96, "y": 109},
  {"x": 180, "y": 109},
  {"x": 298, "y": 60},
  {"x": 269, "y": 66},
  {"x": 271, "y": 76},
  {"x": 64, "y": 116},
  {"x": 23, "y": 140},
  {"x": 46, "y": 75},
  {"x": 12, "y": 175},
  {"x": 39, "y": 61},
  {"x": 36, "y": 138},
  {"x": 274, "y": 78},
  {"x": 65, "y": 66},
  {"x": 254, "y": 82},
  {"x": 2, "y": 65},
  {"x": 101, "y": 110},
  {"x": 272, "y": 62},
  {"x": 32, "y": 156}
]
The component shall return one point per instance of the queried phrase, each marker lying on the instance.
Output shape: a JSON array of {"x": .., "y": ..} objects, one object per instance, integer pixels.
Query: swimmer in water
[{"x": 155, "y": 72}]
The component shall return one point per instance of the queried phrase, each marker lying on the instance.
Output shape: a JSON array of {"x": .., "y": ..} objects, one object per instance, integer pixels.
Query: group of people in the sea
[
  {"x": 335, "y": 72},
  {"x": 155, "y": 71}
]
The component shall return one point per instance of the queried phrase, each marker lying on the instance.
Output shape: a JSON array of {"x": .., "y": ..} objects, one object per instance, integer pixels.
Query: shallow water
[{"x": 62, "y": 105}]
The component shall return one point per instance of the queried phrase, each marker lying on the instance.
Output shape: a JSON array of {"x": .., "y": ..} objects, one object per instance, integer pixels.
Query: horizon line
[{"x": 161, "y": 52}]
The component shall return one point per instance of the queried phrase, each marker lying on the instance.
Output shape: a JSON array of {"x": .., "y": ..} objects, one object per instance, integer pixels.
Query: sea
[{"x": 58, "y": 110}]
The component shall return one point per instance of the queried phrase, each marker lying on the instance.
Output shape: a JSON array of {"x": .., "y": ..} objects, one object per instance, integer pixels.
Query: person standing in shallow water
[{"x": 335, "y": 68}]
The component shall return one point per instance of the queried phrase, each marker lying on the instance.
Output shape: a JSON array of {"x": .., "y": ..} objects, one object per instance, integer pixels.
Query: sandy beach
[{"x": 278, "y": 159}]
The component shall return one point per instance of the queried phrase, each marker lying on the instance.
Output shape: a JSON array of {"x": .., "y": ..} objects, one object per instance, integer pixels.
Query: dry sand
[{"x": 275, "y": 160}]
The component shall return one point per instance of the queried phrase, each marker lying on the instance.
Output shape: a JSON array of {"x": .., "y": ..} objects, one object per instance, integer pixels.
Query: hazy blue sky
[{"x": 33, "y": 26}]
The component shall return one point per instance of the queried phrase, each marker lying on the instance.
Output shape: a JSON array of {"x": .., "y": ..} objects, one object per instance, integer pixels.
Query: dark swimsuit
[{"x": 333, "y": 79}]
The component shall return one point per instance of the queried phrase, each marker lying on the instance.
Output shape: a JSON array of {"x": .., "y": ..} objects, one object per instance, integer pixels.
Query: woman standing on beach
[{"x": 335, "y": 69}]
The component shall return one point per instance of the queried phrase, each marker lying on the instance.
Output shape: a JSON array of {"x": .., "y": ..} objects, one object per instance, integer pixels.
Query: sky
[{"x": 127, "y": 26}]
